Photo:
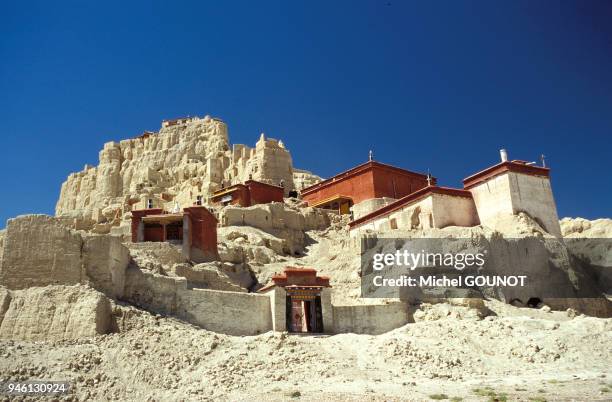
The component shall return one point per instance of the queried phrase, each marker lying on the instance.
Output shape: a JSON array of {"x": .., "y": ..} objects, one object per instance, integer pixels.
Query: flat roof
[
  {"x": 416, "y": 196},
  {"x": 358, "y": 169},
  {"x": 234, "y": 187},
  {"x": 495, "y": 170}
]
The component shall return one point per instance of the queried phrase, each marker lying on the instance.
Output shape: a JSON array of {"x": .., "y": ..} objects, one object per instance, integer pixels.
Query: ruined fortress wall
[
  {"x": 53, "y": 313},
  {"x": 227, "y": 312},
  {"x": 39, "y": 251},
  {"x": 234, "y": 313},
  {"x": 186, "y": 159},
  {"x": 371, "y": 319},
  {"x": 151, "y": 291},
  {"x": 275, "y": 216},
  {"x": 105, "y": 260},
  {"x": 279, "y": 220}
]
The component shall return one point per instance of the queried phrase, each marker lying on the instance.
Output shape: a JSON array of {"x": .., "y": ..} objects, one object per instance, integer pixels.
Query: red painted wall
[
  {"x": 359, "y": 187},
  {"x": 137, "y": 216},
  {"x": 262, "y": 193},
  {"x": 374, "y": 180},
  {"x": 153, "y": 233},
  {"x": 389, "y": 183},
  {"x": 253, "y": 192},
  {"x": 241, "y": 197},
  {"x": 203, "y": 231}
]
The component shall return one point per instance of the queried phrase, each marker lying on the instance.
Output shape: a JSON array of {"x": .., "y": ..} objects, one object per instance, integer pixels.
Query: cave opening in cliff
[{"x": 534, "y": 302}]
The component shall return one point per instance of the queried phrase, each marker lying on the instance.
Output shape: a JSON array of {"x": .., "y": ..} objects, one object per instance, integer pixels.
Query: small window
[
  {"x": 150, "y": 203},
  {"x": 199, "y": 200}
]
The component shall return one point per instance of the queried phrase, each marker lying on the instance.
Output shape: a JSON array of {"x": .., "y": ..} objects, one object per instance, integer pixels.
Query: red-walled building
[
  {"x": 250, "y": 193},
  {"x": 369, "y": 180},
  {"x": 195, "y": 229},
  {"x": 307, "y": 303}
]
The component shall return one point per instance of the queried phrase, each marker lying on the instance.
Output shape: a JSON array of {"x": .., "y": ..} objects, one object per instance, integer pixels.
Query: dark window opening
[
  {"x": 174, "y": 231},
  {"x": 534, "y": 302}
]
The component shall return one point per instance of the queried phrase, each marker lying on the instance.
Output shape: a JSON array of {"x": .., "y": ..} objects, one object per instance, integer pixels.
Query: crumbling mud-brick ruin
[
  {"x": 236, "y": 240},
  {"x": 184, "y": 267}
]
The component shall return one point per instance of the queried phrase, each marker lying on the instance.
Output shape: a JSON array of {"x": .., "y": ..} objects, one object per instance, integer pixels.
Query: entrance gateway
[
  {"x": 305, "y": 298},
  {"x": 304, "y": 312}
]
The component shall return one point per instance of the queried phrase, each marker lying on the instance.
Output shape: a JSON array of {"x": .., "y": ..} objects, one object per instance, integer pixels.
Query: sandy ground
[{"x": 450, "y": 353}]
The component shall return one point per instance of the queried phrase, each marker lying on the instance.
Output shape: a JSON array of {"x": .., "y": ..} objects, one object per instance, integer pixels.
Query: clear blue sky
[{"x": 438, "y": 85}]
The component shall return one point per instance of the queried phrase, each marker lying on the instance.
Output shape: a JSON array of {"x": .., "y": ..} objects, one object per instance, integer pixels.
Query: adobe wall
[
  {"x": 365, "y": 207},
  {"x": 511, "y": 193},
  {"x": 40, "y": 251},
  {"x": 371, "y": 319},
  {"x": 278, "y": 305},
  {"x": 453, "y": 211},
  {"x": 226, "y": 312},
  {"x": 269, "y": 162},
  {"x": 411, "y": 216},
  {"x": 233, "y": 313},
  {"x": 242, "y": 198},
  {"x": 2, "y": 234},
  {"x": 104, "y": 260},
  {"x": 53, "y": 313},
  {"x": 492, "y": 199},
  {"x": 533, "y": 195}
]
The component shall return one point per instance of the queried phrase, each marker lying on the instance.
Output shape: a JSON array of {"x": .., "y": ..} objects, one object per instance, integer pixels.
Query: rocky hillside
[{"x": 185, "y": 159}]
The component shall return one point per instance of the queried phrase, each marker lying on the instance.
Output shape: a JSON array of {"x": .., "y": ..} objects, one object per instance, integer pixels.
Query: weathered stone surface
[
  {"x": 157, "y": 257},
  {"x": 236, "y": 313},
  {"x": 5, "y": 299},
  {"x": 208, "y": 275},
  {"x": 554, "y": 276},
  {"x": 591, "y": 243},
  {"x": 105, "y": 260},
  {"x": 304, "y": 178},
  {"x": 40, "y": 251},
  {"x": 54, "y": 313},
  {"x": 176, "y": 164},
  {"x": 2, "y": 234},
  {"x": 279, "y": 220},
  {"x": 583, "y": 228},
  {"x": 152, "y": 291}
]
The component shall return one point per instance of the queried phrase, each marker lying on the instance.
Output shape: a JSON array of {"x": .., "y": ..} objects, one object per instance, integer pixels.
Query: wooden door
[{"x": 298, "y": 316}]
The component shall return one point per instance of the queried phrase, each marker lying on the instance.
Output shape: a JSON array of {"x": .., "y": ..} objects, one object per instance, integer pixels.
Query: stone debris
[{"x": 161, "y": 358}]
